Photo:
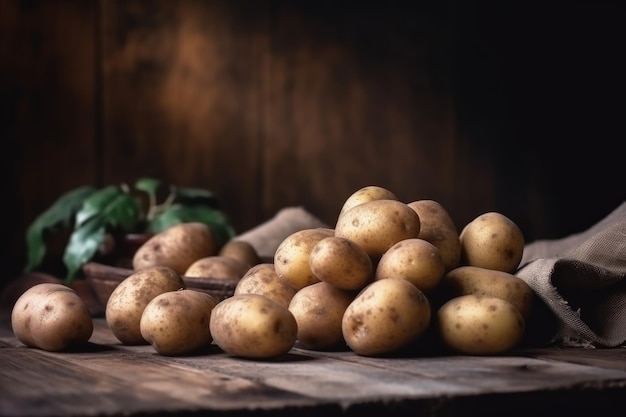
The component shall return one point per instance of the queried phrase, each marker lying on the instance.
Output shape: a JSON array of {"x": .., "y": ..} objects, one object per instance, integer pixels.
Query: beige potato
[
  {"x": 291, "y": 258},
  {"x": 438, "y": 228},
  {"x": 480, "y": 325},
  {"x": 415, "y": 260},
  {"x": 386, "y": 316},
  {"x": 492, "y": 241},
  {"x": 367, "y": 193},
  {"x": 262, "y": 279},
  {"x": 466, "y": 280},
  {"x": 128, "y": 300},
  {"x": 342, "y": 263},
  {"x": 253, "y": 326},
  {"x": 242, "y": 251},
  {"x": 177, "y": 247},
  {"x": 218, "y": 267},
  {"x": 378, "y": 225},
  {"x": 51, "y": 317},
  {"x": 177, "y": 322},
  {"x": 319, "y": 310}
]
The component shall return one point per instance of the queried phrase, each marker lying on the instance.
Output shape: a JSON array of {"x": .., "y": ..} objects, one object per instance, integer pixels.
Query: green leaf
[
  {"x": 113, "y": 206},
  {"x": 194, "y": 196},
  {"x": 60, "y": 213},
  {"x": 85, "y": 240},
  {"x": 149, "y": 185}
]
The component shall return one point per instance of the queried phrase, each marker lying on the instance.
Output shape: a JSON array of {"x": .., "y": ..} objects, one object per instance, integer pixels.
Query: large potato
[
  {"x": 177, "y": 322},
  {"x": 365, "y": 194},
  {"x": 492, "y": 241},
  {"x": 218, "y": 267},
  {"x": 127, "y": 301},
  {"x": 342, "y": 263},
  {"x": 480, "y": 325},
  {"x": 466, "y": 280},
  {"x": 415, "y": 260},
  {"x": 262, "y": 279},
  {"x": 51, "y": 317},
  {"x": 377, "y": 225},
  {"x": 319, "y": 309},
  {"x": 253, "y": 326},
  {"x": 386, "y": 316},
  {"x": 292, "y": 256},
  {"x": 438, "y": 228},
  {"x": 177, "y": 247}
]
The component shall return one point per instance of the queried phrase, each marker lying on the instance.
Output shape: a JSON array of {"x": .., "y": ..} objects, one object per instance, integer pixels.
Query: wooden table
[{"x": 108, "y": 379}]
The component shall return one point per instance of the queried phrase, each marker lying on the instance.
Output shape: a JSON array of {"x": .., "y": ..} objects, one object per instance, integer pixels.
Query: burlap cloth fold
[{"x": 580, "y": 279}]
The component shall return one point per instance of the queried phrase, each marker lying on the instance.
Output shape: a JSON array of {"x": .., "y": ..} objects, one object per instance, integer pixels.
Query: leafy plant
[{"x": 117, "y": 209}]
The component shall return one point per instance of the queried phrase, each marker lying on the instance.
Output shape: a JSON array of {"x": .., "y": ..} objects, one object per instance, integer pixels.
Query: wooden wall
[{"x": 270, "y": 104}]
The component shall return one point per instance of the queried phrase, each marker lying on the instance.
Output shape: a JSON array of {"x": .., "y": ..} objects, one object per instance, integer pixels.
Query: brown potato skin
[
  {"x": 242, "y": 251},
  {"x": 217, "y": 266},
  {"x": 365, "y": 194},
  {"x": 51, "y": 317},
  {"x": 262, "y": 279},
  {"x": 342, "y": 263}
]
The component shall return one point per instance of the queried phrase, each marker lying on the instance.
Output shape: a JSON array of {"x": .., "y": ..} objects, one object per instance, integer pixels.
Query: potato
[
  {"x": 479, "y": 325},
  {"x": 438, "y": 228},
  {"x": 177, "y": 247},
  {"x": 319, "y": 309},
  {"x": 291, "y": 258},
  {"x": 127, "y": 301},
  {"x": 262, "y": 279},
  {"x": 367, "y": 193},
  {"x": 177, "y": 322},
  {"x": 51, "y": 317},
  {"x": 342, "y": 263},
  {"x": 241, "y": 250},
  {"x": 253, "y": 326},
  {"x": 217, "y": 266},
  {"x": 492, "y": 241},
  {"x": 466, "y": 280},
  {"x": 378, "y": 225},
  {"x": 415, "y": 260},
  {"x": 386, "y": 316}
]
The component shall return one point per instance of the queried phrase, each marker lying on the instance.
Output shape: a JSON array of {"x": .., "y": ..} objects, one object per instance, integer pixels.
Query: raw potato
[
  {"x": 253, "y": 326},
  {"x": 492, "y": 241},
  {"x": 241, "y": 250},
  {"x": 291, "y": 258},
  {"x": 262, "y": 279},
  {"x": 480, "y": 325},
  {"x": 415, "y": 260},
  {"x": 466, "y": 280},
  {"x": 378, "y": 225},
  {"x": 342, "y": 263},
  {"x": 51, "y": 317},
  {"x": 385, "y": 317},
  {"x": 177, "y": 247},
  {"x": 365, "y": 194},
  {"x": 128, "y": 300},
  {"x": 217, "y": 266},
  {"x": 319, "y": 310},
  {"x": 438, "y": 228},
  {"x": 177, "y": 322}
]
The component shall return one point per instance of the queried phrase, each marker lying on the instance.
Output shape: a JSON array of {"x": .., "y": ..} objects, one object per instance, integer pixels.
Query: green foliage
[{"x": 115, "y": 209}]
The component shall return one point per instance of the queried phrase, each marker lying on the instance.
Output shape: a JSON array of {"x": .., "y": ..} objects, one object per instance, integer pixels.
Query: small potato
[
  {"x": 342, "y": 263},
  {"x": 242, "y": 251},
  {"x": 415, "y": 260},
  {"x": 319, "y": 309},
  {"x": 177, "y": 247},
  {"x": 480, "y": 325},
  {"x": 367, "y": 193},
  {"x": 378, "y": 225},
  {"x": 177, "y": 322},
  {"x": 217, "y": 266},
  {"x": 253, "y": 326},
  {"x": 466, "y": 280},
  {"x": 128, "y": 300},
  {"x": 492, "y": 241},
  {"x": 438, "y": 228},
  {"x": 262, "y": 279},
  {"x": 385, "y": 317},
  {"x": 51, "y": 317},
  {"x": 291, "y": 258}
]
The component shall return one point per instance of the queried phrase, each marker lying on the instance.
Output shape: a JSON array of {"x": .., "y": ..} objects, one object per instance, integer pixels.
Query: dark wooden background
[{"x": 517, "y": 108}]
